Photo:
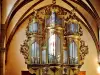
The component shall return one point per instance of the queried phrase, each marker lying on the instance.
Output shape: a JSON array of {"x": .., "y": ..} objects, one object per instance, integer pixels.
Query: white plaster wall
[
  {"x": 15, "y": 61},
  {"x": 90, "y": 62}
]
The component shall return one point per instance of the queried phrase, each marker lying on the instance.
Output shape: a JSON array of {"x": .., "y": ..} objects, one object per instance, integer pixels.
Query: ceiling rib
[
  {"x": 14, "y": 11},
  {"x": 95, "y": 12},
  {"x": 83, "y": 5}
]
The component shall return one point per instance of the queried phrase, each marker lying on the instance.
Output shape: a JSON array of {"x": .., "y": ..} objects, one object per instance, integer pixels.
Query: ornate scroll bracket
[
  {"x": 25, "y": 50},
  {"x": 83, "y": 50}
]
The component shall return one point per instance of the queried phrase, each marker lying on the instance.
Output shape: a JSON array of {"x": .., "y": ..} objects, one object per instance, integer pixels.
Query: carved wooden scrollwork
[
  {"x": 80, "y": 31},
  {"x": 25, "y": 50},
  {"x": 83, "y": 50}
]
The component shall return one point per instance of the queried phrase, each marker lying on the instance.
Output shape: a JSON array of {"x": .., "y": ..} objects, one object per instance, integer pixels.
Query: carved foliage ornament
[
  {"x": 25, "y": 50},
  {"x": 83, "y": 50}
]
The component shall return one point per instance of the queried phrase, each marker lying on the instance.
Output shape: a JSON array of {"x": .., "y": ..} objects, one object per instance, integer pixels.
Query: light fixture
[{"x": 53, "y": 42}]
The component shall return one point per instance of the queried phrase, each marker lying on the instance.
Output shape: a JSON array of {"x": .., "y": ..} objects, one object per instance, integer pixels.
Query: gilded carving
[
  {"x": 25, "y": 50},
  {"x": 83, "y": 50}
]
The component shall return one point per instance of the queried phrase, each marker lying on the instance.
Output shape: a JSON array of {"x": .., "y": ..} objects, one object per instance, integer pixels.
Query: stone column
[
  {"x": 2, "y": 61},
  {"x": 2, "y": 48},
  {"x": 2, "y": 51}
]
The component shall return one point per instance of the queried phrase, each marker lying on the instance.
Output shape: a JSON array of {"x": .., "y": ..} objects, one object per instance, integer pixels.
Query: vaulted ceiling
[{"x": 15, "y": 12}]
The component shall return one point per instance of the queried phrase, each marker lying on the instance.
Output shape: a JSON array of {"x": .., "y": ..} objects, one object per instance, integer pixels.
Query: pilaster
[{"x": 2, "y": 61}]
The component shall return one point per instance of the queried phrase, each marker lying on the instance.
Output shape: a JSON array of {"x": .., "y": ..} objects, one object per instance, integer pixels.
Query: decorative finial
[
  {"x": 34, "y": 15},
  {"x": 72, "y": 12},
  {"x": 54, "y": 1},
  {"x": 35, "y": 12}
]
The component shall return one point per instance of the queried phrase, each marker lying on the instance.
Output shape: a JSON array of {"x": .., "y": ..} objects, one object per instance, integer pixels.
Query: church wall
[
  {"x": 90, "y": 63},
  {"x": 6, "y": 8},
  {"x": 15, "y": 60}
]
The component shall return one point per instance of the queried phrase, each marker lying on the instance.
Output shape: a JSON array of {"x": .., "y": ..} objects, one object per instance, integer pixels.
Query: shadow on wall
[{"x": 27, "y": 73}]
